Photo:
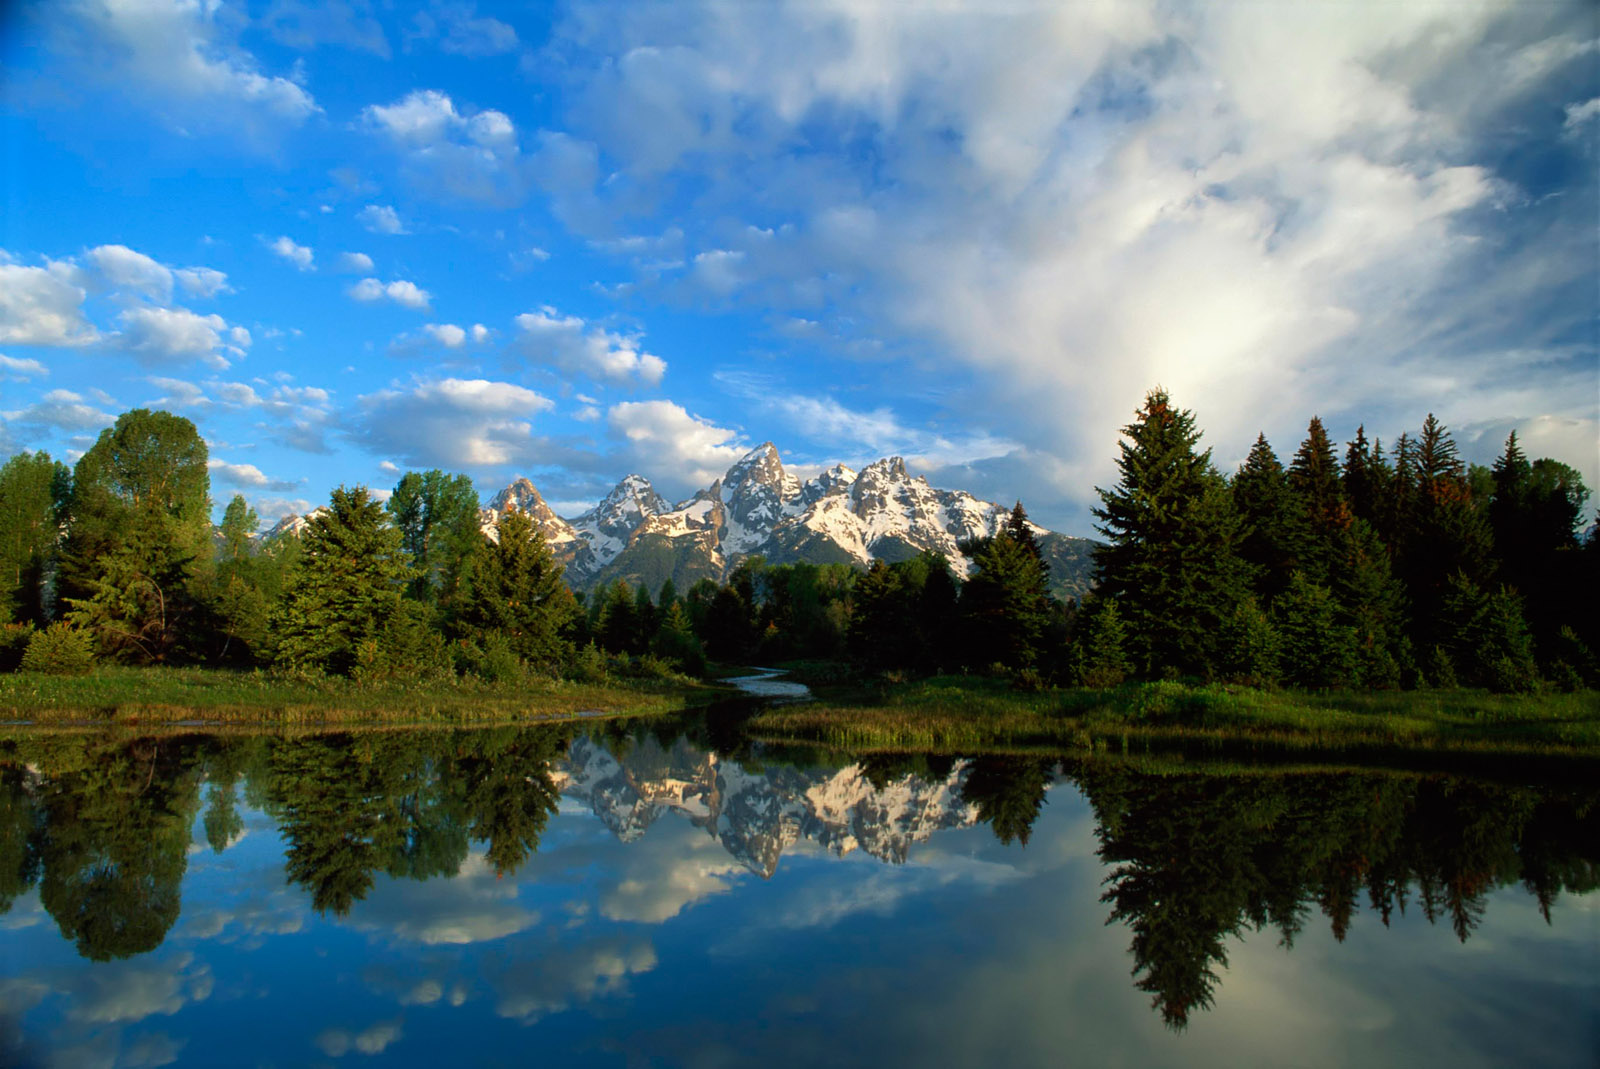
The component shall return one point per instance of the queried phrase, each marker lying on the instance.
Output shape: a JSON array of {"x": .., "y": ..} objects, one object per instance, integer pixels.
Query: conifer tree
[
  {"x": 1314, "y": 484},
  {"x": 346, "y": 588},
  {"x": 616, "y": 624},
  {"x": 1267, "y": 532},
  {"x": 516, "y": 593},
  {"x": 1444, "y": 536},
  {"x": 1102, "y": 653},
  {"x": 1171, "y": 557},
  {"x": 1366, "y": 477},
  {"x": 1316, "y": 650},
  {"x": 33, "y": 503},
  {"x": 1004, "y": 604}
]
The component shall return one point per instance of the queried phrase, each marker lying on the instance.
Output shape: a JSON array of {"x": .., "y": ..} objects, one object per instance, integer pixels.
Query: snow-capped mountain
[
  {"x": 839, "y": 517},
  {"x": 756, "y": 817}
]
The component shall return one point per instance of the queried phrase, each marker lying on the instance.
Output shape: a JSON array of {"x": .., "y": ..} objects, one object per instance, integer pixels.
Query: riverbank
[
  {"x": 953, "y": 713},
  {"x": 217, "y": 696}
]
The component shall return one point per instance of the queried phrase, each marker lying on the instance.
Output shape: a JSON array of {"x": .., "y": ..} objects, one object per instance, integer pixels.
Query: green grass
[
  {"x": 956, "y": 713},
  {"x": 214, "y": 696}
]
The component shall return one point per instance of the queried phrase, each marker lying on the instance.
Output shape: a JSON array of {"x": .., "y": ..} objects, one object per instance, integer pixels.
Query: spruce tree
[
  {"x": 347, "y": 586},
  {"x": 516, "y": 593},
  {"x": 1267, "y": 532},
  {"x": 1365, "y": 478},
  {"x": 1314, "y": 485},
  {"x": 1444, "y": 536},
  {"x": 1004, "y": 604},
  {"x": 1171, "y": 557}
]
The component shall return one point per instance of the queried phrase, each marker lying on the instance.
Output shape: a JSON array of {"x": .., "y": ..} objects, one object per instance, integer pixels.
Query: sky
[{"x": 352, "y": 238}]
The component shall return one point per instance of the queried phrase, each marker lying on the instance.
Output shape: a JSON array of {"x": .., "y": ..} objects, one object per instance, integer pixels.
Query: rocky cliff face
[{"x": 839, "y": 517}]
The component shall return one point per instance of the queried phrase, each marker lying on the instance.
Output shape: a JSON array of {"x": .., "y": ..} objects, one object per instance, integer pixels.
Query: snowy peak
[{"x": 522, "y": 497}]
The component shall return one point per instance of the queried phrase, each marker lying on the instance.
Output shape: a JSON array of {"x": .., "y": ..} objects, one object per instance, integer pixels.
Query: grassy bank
[
  {"x": 965, "y": 713},
  {"x": 214, "y": 696}
]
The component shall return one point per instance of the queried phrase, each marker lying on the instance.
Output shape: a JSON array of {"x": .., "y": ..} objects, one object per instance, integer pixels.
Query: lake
[{"x": 667, "y": 892}]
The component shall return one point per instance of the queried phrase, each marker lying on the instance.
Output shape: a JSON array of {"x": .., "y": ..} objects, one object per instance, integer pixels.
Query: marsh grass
[
  {"x": 964, "y": 713},
  {"x": 213, "y": 696}
]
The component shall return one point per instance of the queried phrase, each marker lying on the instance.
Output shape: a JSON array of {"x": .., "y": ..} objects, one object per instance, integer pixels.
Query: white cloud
[
  {"x": 176, "y": 54},
  {"x": 248, "y": 475},
  {"x": 460, "y": 31},
  {"x": 401, "y": 292},
  {"x": 299, "y": 255},
  {"x": 337, "y": 1042},
  {"x": 380, "y": 219},
  {"x": 678, "y": 449},
  {"x": 42, "y": 305},
  {"x": 568, "y": 342},
  {"x": 355, "y": 263},
  {"x": 1579, "y": 115},
  {"x": 177, "y": 335},
  {"x": 447, "y": 334},
  {"x": 17, "y": 367},
  {"x": 467, "y": 155},
  {"x": 61, "y": 410},
  {"x": 202, "y": 281},
  {"x": 305, "y": 24},
  {"x": 480, "y": 333},
  {"x": 124, "y": 269},
  {"x": 452, "y": 423}
]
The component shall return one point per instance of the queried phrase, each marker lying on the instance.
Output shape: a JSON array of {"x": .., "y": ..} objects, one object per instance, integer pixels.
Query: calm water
[{"x": 675, "y": 895}]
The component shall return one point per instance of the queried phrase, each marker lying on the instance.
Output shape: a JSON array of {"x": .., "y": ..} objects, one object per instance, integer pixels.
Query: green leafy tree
[
  {"x": 516, "y": 592},
  {"x": 1171, "y": 557},
  {"x": 33, "y": 504},
  {"x": 138, "y": 555},
  {"x": 347, "y": 587}
]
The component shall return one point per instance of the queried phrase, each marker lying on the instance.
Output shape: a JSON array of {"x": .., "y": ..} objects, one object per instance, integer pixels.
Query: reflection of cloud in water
[
  {"x": 670, "y": 868},
  {"x": 123, "y": 991},
  {"x": 532, "y": 987},
  {"x": 473, "y": 907},
  {"x": 25, "y": 912},
  {"x": 337, "y": 1042}
]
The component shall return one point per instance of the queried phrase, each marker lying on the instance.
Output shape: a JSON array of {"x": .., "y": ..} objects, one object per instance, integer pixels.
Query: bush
[
  {"x": 59, "y": 649},
  {"x": 491, "y": 659},
  {"x": 588, "y": 666},
  {"x": 14, "y": 639}
]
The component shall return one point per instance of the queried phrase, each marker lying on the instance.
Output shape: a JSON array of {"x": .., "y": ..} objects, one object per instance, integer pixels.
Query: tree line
[{"x": 1384, "y": 569}]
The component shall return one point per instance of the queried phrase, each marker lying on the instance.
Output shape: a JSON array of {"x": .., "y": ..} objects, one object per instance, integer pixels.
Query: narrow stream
[{"x": 769, "y": 683}]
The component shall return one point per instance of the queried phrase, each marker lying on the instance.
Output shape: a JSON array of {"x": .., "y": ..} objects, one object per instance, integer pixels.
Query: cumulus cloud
[
  {"x": 123, "y": 268},
  {"x": 202, "y": 281},
  {"x": 570, "y": 343},
  {"x": 177, "y": 335},
  {"x": 452, "y": 423},
  {"x": 400, "y": 292},
  {"x": 249, "y": 475},
  {"x": 299, "y": 255},
  {"x": 355, "y": 263},
  {"x": 177, "y": 55},
  {"x": 61, "y": 410},
  {"x": 381, "y": 219},
  {"x": 42, "y": 305},
  {"x": 471, "y": 155},
  {"x": 1164, "y": 207},
  {"x": 681, "y": 451}
]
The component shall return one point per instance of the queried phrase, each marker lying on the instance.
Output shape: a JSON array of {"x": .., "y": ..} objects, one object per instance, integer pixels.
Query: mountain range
[{"x": 841, "y": 516}]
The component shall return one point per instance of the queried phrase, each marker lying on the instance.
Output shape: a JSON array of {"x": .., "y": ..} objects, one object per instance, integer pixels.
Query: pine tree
[
  {"x": 347, "y": 586},
  {"x": 1316, "y": 650},
  {"x": 516, "y": 593},
  {"x": 1444, "y": 536},
  {"x": 1314, "y": 485},
  {"x": 1171, "y": 557},
  {"x": 1004, "y": 604},
  {"x": 1366, "y": 478},
  {"x": 1102, "y": 646},
  {"x": 1261, "y": 498}
]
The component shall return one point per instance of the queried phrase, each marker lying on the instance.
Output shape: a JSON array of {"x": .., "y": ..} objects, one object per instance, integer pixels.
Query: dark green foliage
[
  {"x": 1443, "y": 535},
  {"x": 59, "y": 649},
  {"x": 1009, "y": 793},
  {"x": 616, "y": 621},
  {"x": 1171, "y": 560},
  {"x": 516, "y": 593},
  {"x": 1487, "y": 638},
  {"x": 346, "y": 588},
  {"x": 1251, "y": 647},
  {"x": 675, "y": 641},
  {"x": 1315, "y": 649},
  {"x": 1004, "y": 606},
  {"x": 1366, "y": 478},
  {"x": 1318, "y": 511},
  {"x": 1371, "y": 602},
  {"x": 1102, "y": 646},
  {"x": 1267, "y": 517},
  {"x": 138, "y": 553},
  {"x": 437, "y": 517},
  {"x": 34, "y": 491}
]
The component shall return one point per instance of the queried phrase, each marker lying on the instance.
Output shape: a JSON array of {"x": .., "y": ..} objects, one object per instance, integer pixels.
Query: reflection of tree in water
[
  {"x": 115, "y": 845},
  {"x": 1200, "y": 858},
  {"x": 408, "y": 804},
  {"x": 1009, "y": 792},
  {"x": 21, "y": 829}
]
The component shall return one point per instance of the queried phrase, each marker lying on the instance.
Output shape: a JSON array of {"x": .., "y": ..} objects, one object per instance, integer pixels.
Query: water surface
[{"x": 672, "y": 894}]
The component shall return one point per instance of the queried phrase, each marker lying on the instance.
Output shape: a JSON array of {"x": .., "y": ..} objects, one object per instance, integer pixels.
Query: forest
[{"x": 1375, "y": 569}]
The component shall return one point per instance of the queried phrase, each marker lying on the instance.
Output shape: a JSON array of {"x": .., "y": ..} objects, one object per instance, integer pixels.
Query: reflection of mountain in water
[{"x": 756, "y": 816}]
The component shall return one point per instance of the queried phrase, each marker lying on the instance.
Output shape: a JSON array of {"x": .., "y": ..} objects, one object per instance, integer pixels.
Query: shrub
[
  {"x": 14, "y": 639},
  {"x": 588, "y": 666},
  {"x": 491, "y": 659},
  {"x": 59, "y": 649}
]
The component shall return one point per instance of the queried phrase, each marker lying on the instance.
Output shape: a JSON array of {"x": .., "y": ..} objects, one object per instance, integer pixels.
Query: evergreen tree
[
  {"x": 516, "y": 593},
  {"x": 239, "y": 526},
  {"x": 616, "y": 625},
  {"x": 1316, "y": 650},
  {"x": 138, "y": 553},
  {"x": 1261, "y": 498},
  {"x": 1005, "y": 607},
  {"x": 437, "y": 517},
  {"x": 675, "y": 640},
  {"x": 1171, "y": 557},
  {"x": 347, "y": 587},
  {"x": 1371, "y": 602},
  {"x": 1445, "y": 536},
  {"x": 1366, "y": 477},
  {"x": 1102, "y": 646},
  {"x": 33, "y": 503},
  {"x": 1313, "y": 479}
]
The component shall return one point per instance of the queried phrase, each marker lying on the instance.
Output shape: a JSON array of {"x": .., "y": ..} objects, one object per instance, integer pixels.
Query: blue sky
[{"x": 575, "y": 241}]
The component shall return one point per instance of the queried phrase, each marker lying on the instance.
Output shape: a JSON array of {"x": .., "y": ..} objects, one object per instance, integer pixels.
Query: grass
[
  {"x": 214, "y": 696},
  {"x": 966, "y": 713}
]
